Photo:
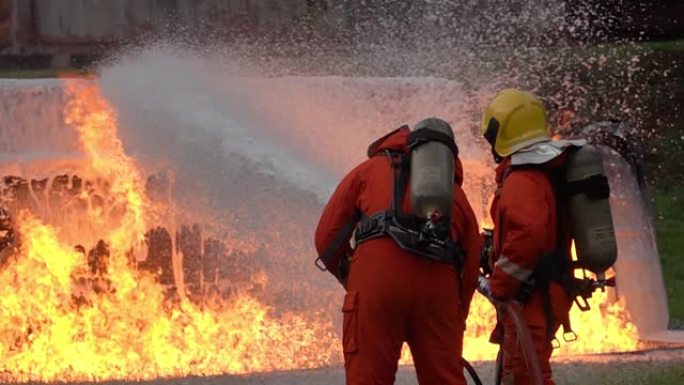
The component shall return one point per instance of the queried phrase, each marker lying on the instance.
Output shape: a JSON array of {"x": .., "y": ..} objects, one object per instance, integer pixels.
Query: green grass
[
  {"x": 670, "y": 232},
  {"x": 676, "y": 45}
]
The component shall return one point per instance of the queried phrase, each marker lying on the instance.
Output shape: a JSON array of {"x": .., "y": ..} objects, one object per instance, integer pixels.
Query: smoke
[
  {"x": 569, "y": 53},
  {"x": 225, "y": 136},
  {"x": 176, "y": 114}
]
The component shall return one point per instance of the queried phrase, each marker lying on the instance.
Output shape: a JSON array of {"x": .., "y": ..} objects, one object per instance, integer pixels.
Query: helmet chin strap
[{"x": 497, "y": 158}]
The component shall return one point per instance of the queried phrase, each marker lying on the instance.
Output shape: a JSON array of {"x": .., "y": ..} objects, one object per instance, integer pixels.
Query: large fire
[
  {"x": 69, "y": 314},
  {"x": 60, "y": 322}
]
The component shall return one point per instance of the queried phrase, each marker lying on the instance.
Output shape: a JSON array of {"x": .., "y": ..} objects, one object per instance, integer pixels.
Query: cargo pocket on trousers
[{"x": 349, "y": 323}]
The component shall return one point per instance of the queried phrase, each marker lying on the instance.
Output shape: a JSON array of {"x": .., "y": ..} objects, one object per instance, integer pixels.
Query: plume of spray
[
  {"x": 173, "y": 111},
  {"x": 242, "y": 123}
]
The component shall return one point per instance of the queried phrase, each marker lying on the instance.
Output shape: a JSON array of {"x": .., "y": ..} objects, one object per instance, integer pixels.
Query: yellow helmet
[{"x": 514, "y": 120}]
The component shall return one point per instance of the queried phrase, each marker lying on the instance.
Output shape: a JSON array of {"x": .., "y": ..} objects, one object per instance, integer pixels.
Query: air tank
[
  {"x": 432, "y": 173},
  {"x": 589, "y": 210}
]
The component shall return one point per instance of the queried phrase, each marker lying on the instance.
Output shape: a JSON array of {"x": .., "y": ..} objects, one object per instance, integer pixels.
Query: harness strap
[
  {"x": 402, "y": 228},
  {"x": 548, "y": 310},
  {"x": 595, "y": 187},
  {"x": 400, "y": 168},
  {"x": 372, "y": 227},
  {"x": 385, "y": 223}
]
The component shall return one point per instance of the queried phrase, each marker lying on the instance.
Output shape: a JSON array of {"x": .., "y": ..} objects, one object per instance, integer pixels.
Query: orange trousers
[
  {"x": 394, "y": 298},
  {"x": 515, "y": 370}
]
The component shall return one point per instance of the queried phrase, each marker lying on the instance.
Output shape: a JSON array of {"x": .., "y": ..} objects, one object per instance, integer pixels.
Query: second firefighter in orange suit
[
  {"x": 393, "y": 295},
  {"x": 526, "y": 227}
]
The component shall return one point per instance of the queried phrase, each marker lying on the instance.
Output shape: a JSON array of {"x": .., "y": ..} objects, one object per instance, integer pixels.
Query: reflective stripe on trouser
[{"x": 513, "y": 269}]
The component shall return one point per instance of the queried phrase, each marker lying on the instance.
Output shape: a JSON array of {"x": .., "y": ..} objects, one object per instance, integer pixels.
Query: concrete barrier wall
[
  {"x": 5, "y": 22},
  {"x": 87, "y": 21},
  {"x": 34, "y": 26}
]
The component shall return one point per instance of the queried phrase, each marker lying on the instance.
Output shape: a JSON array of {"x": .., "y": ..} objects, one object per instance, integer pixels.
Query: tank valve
[
  {"x": 585, "y": 287},
  {"x": 435, "y": 217},
  {"x": 432, "y": 226}
]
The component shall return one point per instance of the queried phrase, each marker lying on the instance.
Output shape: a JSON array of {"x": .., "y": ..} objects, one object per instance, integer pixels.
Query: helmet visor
[{"x": 492, "y": 131}]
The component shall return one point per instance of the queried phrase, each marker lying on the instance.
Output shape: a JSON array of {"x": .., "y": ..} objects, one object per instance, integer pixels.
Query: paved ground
[{"x": 627, "y": 368}]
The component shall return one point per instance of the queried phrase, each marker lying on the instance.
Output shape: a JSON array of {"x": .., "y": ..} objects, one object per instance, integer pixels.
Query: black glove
[
  {"x": 343, "y": 269},
  {"x": 483, "y": 287},
  {"x": 526, "y": 291},
  {"x": 488, "y": 235}
]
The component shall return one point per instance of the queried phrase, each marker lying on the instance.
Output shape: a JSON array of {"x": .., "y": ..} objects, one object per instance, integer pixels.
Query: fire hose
[{"x": 512, "y": 309}]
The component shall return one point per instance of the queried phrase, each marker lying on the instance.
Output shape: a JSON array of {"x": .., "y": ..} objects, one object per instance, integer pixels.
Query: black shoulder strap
[
  {"x": 595, "y": 187},
  {"x": 557, "y": 177},
  {"x": 400, "y": 168},
  {"x": 424, "y": 135}
]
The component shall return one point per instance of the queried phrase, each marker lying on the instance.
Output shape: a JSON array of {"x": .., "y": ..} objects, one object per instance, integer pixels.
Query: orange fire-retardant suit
[
  {"x": 526, "y": 219},
  {"x": 394, "y": 296}
]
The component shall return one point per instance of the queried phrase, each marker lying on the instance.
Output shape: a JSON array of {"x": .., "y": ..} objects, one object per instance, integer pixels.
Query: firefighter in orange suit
[
  {"x": 394, "y": 293},
  {"x": 528, "y": 229}
]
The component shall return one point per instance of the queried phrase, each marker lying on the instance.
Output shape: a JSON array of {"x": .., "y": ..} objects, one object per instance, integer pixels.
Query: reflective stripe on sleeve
[{"x": 513, "y": 269}]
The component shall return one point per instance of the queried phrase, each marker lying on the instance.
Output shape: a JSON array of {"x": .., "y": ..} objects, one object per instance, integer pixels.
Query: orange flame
[
  {"x": 57, "y": 325},
  {"x": 606, "y": 328},
  {"x": 60, "y": 323}
]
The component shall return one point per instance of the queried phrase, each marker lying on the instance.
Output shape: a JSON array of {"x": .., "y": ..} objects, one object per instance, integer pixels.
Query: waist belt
[{"x": 386, "y": 224}]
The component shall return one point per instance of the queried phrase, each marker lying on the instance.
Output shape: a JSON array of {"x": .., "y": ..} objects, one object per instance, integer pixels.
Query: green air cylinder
[
  {"x": 432, "y": 173},
  {"x": 589, "y": 210}
]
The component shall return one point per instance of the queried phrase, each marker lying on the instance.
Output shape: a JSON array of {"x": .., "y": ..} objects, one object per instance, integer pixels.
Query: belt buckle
[
  {"x": 373, "y": 226},
  {"x": 377, "y": 223}
]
